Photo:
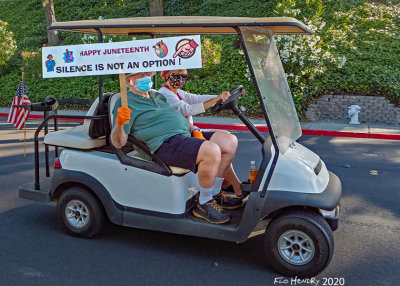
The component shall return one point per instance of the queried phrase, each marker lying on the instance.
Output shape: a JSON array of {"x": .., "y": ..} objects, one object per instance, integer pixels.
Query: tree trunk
[
  {"x": 156, "y": 7},
  {"x": 52, "y": 35}
]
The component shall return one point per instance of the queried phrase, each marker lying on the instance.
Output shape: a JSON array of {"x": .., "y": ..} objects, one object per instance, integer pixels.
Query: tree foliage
[
  {"x": 354, "y": 48},
  {"x": 7, "y": 43}
]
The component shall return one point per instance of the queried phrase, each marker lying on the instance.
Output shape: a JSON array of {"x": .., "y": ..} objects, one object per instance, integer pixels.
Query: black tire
[
  {"x": 89, "y": 217},
  {"x": 315, "y": 243}
]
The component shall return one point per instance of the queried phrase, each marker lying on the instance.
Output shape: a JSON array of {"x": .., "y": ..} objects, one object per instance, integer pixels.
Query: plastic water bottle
[{"x": 253, "y": 172}]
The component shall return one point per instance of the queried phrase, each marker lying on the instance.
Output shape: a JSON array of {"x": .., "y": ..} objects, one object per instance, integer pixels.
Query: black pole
[
  {"x": 36, "y": 142},
  {"x": 100, "y": 40},
  {"x": 55, "y": 129},
  {"x": 248, "y": 124},
  {"x": 46, "y": 148}
]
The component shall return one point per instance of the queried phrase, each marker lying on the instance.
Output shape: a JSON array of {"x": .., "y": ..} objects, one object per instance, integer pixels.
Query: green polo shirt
[{"x": 153, "y": 120}]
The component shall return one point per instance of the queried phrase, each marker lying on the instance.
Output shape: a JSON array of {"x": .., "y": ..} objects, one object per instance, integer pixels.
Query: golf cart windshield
[{"x": 272, "y": 84}]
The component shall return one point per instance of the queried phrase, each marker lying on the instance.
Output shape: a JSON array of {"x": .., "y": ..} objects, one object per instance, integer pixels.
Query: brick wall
[{"x": 374, "y": 109}]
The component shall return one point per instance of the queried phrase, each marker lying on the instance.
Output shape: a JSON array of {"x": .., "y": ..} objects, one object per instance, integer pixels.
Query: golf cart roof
[{"x": 181, "y": 25}]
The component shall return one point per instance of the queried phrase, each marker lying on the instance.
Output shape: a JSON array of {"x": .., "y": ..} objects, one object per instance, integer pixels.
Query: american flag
[{"x": 18, "y": 115}]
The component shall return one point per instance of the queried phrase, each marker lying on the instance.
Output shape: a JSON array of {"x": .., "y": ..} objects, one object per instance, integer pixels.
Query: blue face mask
[{"x": 144, "y": 84}]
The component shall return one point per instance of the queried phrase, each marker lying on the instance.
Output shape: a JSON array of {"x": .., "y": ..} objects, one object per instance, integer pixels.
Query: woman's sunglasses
[{"x": 179, "y": 75}]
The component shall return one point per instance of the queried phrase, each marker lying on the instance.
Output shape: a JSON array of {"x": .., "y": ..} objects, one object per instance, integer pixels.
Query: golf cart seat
[
  {"x": 140, "y": 148},
  {"x": 77, "y": 137}
]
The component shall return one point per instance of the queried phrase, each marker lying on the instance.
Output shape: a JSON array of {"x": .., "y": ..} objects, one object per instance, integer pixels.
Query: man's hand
[
  {"x": 198, "y": 134},
  {"x": 123, "y": 114},
  {"x": 224, "y": 95}
]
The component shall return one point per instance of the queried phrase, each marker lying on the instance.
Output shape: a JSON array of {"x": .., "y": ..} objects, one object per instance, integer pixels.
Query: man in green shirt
[{"x": 167, "y": 134}]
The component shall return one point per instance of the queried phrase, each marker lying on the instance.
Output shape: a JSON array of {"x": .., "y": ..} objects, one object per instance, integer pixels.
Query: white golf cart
[{"x": 295, "y": 199}]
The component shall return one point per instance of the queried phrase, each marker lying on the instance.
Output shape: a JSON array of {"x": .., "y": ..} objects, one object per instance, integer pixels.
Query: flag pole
[{"x": 23, "y": 94}]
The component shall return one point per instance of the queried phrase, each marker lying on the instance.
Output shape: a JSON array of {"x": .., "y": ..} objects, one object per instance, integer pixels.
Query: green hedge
[
  {"x": 354, "y": 49},
  {"x": 353, "y": 30},
  {"x": 369, "y": 37}
]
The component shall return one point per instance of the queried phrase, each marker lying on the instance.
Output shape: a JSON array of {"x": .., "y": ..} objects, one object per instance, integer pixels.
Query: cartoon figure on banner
[
  {"x": 68, "y": 56},
  {"x": 50, "y": 63},
  {"x": 185, "y": 48},
  {"x": 161, "y": 49}
]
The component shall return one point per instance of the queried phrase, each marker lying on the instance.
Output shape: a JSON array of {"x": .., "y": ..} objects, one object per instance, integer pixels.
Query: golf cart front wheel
[
  {"x": 80, "y": 212},
  {"x": 299, "y": 243}
]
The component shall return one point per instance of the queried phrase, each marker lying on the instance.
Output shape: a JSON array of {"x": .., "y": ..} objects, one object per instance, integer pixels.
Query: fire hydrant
[{"x": 353, "y": 112}]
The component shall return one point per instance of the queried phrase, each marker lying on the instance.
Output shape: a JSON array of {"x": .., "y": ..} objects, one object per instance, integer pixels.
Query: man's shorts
[{"x": 181, "y": 151}]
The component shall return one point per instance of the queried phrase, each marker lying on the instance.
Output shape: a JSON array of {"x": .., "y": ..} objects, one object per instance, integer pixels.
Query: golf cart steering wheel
[{"x": 222, "y": 105}]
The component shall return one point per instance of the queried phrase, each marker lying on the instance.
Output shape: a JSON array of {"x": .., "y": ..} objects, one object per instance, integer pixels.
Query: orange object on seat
[{"x": 198, "y": 134}]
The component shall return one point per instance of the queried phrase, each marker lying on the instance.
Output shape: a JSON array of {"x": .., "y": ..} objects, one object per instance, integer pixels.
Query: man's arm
[{"x": 118, "y": 136}]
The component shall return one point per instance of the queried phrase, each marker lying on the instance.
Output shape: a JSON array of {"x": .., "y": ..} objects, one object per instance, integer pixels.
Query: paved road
[{"x": 35, "y": 251}]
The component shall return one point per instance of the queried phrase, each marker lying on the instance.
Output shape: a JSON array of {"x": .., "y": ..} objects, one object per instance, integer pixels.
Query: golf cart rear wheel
[
  {"x": 299, "y": 243},
  {"x": 80, "y": 212}
]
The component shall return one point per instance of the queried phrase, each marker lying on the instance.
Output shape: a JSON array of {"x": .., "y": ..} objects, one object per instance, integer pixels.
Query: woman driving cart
[{"x": 188, "y": 105}]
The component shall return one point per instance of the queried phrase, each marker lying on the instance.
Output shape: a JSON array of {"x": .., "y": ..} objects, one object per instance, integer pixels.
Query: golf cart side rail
[
  {"x": 44, "y": 124},
  {"x": 156, "y": 165}
]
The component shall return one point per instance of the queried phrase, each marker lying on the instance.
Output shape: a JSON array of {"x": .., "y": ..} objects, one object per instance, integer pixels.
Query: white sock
[
  {"x": 217, "y": 186},
  {"x": 205, "y": 195}
]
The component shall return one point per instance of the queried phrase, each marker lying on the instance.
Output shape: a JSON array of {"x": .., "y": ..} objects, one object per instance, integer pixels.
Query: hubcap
[
  {"x": 77, "y": 214},
  {"x": 296, "y": 247}
]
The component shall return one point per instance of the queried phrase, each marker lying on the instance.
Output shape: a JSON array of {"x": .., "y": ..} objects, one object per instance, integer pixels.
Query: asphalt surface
[{"x": 35, "y": 251}]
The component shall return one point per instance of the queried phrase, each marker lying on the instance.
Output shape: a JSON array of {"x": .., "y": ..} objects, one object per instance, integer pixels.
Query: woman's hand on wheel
[{"x": 224, "y": 96}]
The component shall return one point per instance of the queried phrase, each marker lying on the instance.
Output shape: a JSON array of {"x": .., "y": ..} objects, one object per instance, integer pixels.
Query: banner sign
[{"x": 127, "y": 57}]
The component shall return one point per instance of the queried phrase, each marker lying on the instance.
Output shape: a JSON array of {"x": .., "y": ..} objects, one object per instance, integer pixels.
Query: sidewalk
[
  {"x": 334, "y": 126},
  {"x": 327, "y": 128}
]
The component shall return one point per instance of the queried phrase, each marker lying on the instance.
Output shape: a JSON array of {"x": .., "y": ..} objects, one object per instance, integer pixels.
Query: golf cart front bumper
[
  {"x": 332, "y": 217},
  {"x": 327, "y": 202}
]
